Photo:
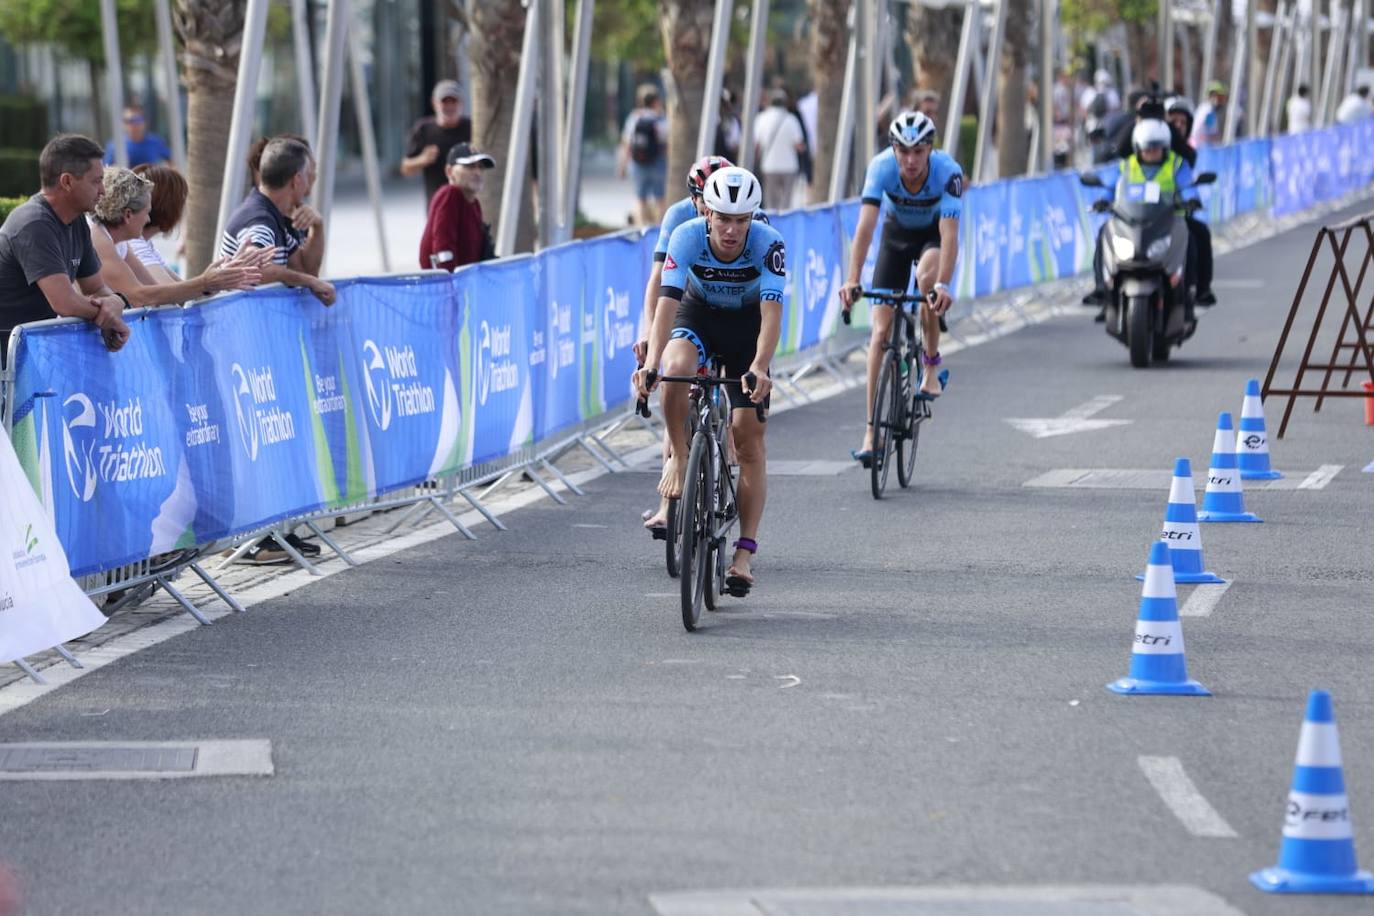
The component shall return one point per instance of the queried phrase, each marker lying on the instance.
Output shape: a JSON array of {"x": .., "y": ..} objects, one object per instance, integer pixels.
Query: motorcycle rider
[
  {"x": 1179, "y": 113},
  {"x": 1153, "y": 169}
]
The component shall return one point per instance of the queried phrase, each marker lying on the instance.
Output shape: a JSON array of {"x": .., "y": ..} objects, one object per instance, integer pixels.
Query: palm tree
[
  {"x": 829, "y": 46},
  {"x": 686, "y": 29},
  {"x": 933, "y": 36},
  {"x": 498, "y": 28},
  {"x": 1013, "y": 139},
  {"x": 211, "y": 33}
]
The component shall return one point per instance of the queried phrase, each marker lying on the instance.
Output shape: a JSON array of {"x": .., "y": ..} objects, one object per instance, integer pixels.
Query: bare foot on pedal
[
  {"x": 670, "y": 484},
  {"x": 658, "y": 519},
  {"x": 930, "y": 384}
]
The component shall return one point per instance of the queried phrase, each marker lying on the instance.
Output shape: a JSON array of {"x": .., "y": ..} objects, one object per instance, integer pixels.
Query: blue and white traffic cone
[
  {"x": 1252, "y": 444},
  {"x": 1157, "y": 665},
  {"x": 1317, "y": 855},
  {"x": 1181, "y": 531},
  {"x": 1224, "y": 500}
]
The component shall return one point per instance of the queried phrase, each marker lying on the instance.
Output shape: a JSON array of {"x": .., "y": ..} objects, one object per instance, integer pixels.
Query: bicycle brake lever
[
  {"x": 642, "y": 408},
  {"x": 847, "y": 315}
]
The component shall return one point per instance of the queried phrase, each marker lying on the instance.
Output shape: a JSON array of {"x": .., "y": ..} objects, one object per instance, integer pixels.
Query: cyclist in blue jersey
[
  {"x": 690, "y": 207},
  {"x": 723, "y": 281},
  {"x": 922, "y": 188}
]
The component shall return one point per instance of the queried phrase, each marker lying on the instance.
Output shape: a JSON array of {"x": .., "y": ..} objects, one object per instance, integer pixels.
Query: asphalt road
[{"x": 913, "y": 696}]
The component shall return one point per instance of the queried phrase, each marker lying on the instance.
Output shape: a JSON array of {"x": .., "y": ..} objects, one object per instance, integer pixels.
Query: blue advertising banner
[{"x": 207, "y": 424}]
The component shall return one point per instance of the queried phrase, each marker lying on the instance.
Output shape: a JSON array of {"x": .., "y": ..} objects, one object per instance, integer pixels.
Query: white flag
[{"x": 40, "y": 605}]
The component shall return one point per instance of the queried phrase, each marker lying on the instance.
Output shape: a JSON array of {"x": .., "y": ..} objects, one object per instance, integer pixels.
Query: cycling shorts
[
  {"x": 731, "y": 334},
  {"x": 899, "y": 250}
]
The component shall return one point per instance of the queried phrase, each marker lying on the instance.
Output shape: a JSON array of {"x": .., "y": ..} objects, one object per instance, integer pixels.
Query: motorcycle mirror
[
  {"x": 1090, "y": 179},
  {"x": 1206, "y": 178}
]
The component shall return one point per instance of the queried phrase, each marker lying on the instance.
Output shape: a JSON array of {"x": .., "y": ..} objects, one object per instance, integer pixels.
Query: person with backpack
[{"x": 644, "y": 154}]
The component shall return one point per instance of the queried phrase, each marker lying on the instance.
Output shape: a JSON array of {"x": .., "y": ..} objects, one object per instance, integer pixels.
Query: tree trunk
[
  {"x": 829, "y": 46},
  {"x": 1142, "y": 41},
  {"x": 933, "y": 36},
  {"x": 1013, "y": 139},
  {"x": 1258, "y": 63},
  {"x": 686, "y": 30},
  {"x": 211, "y": 32},
  {"x": 498, "y": 28}
]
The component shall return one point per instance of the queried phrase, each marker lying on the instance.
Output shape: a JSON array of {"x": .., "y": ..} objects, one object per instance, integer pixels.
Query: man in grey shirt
[{"x": 45, "y": 246}]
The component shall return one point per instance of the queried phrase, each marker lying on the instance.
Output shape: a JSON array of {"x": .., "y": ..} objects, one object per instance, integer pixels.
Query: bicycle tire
[
  {"x": 911, "y": 436},
  {"x": 694, "y": 566},
  {"x": 725, "y": 517},
  {"x": 884, "y": 415},
  {"x": 674, "y": 536}
]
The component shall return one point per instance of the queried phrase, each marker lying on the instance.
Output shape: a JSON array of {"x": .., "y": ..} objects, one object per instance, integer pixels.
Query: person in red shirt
[{"x": 454, "y": 232}]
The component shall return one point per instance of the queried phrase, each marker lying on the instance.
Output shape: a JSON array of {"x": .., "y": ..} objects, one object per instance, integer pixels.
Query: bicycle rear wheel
[
  {"x": 886, "y": 412},
  {"x": 694, "y": 567},
  {"x": 674, "y": 537}
]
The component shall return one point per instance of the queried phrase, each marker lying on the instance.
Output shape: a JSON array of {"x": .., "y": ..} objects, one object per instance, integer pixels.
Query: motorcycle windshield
[{"x": 1159, "y": 214}]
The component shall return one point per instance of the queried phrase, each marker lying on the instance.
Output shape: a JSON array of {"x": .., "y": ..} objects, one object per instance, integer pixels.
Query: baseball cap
[
  {"x": 1216, "y": 86},
  {"x": 447, "y": 89},
  {"x": 464, "y": 154}
]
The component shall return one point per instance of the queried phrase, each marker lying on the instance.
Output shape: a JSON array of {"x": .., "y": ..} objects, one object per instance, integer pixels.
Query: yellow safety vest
[{"x": 1135, "y": 173}]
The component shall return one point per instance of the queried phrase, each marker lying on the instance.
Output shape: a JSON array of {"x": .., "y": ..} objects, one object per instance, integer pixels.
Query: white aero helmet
[
  {"x": 1151, "y": 134},
  {"x": 911, "y": 128},
  {"x": 733, "y": 191}
]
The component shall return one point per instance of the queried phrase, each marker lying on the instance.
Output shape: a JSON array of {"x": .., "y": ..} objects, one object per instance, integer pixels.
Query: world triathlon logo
[
  {"x": 378, "y": 383},
  {"x": 243, "y": 410},
  {"x": 78, "y": 445},
  {"x": 495, "y": 370}
]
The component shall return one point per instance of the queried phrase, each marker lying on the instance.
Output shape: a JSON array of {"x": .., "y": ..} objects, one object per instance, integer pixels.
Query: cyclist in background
[
  {"x": 923, "y": 188},
  {"x": 722, "y": 286}
]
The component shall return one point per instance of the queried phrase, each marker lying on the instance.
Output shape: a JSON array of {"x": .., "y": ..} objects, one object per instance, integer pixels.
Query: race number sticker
[
  {"x": 1152, "y": 192},
  {"x": 776, "y": 258}
]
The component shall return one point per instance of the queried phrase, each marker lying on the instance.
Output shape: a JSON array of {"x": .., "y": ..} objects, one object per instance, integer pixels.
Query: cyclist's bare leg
[
  {"x": 926, "y": 272},
  {"x": 659, "y": 518},
  {"x": 680, "y": 359},
  {"x": 751, "y": 489},
  {"x": 881, "y": 317}
]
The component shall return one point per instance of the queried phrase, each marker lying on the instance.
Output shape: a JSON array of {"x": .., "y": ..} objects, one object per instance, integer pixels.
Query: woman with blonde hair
[{"x": 121, "y": 215}]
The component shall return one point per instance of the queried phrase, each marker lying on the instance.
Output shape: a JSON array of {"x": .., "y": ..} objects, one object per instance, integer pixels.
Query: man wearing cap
[
  {"x": 454, "y": 233},
  {"x": 431, "y": 138}
]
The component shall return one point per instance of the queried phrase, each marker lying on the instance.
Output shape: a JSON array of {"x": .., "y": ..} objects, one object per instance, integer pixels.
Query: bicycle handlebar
[
  {"x": 892, "y": 298},
  {"x": 704, "y": 381}
]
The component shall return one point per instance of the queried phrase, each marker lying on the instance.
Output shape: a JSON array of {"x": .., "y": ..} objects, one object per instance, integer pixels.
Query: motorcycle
[{"x": 1144, "y": 256}]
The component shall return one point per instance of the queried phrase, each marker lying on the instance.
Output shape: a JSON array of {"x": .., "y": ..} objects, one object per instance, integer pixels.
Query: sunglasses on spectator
[{"x": 134, "y": 119}]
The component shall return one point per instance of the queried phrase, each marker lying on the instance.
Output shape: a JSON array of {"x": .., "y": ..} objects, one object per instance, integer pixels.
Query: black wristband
[{"x": 122, "y": 298}]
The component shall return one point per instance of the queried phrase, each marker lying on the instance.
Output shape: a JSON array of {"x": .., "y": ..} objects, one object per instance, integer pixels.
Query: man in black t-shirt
[
  {"x": 432, "y": 138},
  {"x": 45, "y": 246}
]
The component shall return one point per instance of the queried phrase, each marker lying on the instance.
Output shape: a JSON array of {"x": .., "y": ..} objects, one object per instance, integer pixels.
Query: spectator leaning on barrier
[
  {"x": 142, "y": 145},
  {"x": 1354, "y": 108},
  {"x": 275, "y": 215},
  {"x": 1299, "y": 110},
  {"x": 455, "y": 233},
  {"x": 120, "y": 217},
  {"x": 430, "y": 139},
  {"x": 644, "y": 152},
  {"x": 45, "y": 245}
]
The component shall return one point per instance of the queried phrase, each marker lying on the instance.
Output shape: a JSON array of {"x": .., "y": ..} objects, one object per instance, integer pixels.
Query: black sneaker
[
  {"x": 1206, "y": 297},
  {"x": 266, "y": 552},
  {"x": 1101, "y": 316},
  {"x": 1096, "y": 297},
  {"x": 303, "y": 547}
]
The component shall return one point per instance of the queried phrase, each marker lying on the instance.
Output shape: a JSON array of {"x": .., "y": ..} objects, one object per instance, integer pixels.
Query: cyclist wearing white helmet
[
  {"x": 922, "y": 188},
  {"x": 723, "y": 281}
]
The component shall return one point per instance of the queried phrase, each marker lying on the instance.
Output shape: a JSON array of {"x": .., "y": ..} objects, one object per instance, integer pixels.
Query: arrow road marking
[
  {"x": 1173, "y": 785},
  {"x": 1322, "y": 476},
  {"x": 1076, "y": 420},
  {"x": 787, "y": 677}
]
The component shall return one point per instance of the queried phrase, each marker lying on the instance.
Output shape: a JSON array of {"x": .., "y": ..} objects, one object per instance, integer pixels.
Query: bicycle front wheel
[
  {"x": 695, "y": 510},
  {"x": 674, "y": 537},
  {"x": 906, "y": 446},
  {"x": 886, "y": 414}
]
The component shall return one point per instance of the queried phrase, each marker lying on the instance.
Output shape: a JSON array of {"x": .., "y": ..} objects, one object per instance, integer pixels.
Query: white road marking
[
  {"x": 787, "y": 677},
  {"x": 1322, "y": 476},
  {"x": 1074, "y": 420},
  {"x": 1203, "y": 600},
  {"x": 661, "y": 595},
  {"x": 1369, "y": 468},
  {"x": 584, "y": 525},
  {"x": 1184, "y": 800},
  {"x": 1248, "y": 283}
]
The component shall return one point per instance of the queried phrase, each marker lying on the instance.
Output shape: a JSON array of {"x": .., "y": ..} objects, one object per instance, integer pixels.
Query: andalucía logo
[{"x": 28, "y": 555}]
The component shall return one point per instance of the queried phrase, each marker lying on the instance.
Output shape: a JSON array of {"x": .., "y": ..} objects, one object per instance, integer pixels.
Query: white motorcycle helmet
[{"x": 1151, "y": 134}]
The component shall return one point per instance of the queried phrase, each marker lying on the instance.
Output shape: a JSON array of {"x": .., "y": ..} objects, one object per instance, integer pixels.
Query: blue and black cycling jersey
[
  {"x": 940, "y": 197},
  {"x": 693, "y": 274},
  {"x": 676, "y": 215}
]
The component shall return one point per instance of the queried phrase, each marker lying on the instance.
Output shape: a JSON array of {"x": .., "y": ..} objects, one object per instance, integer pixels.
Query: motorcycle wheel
[
  {"x": 1159, "y": 349},
  {"x": 1139, "y": 330}
]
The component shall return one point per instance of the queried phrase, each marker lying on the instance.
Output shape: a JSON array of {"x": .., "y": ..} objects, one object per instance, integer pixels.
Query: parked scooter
[{"x": 1144, "y": 256}]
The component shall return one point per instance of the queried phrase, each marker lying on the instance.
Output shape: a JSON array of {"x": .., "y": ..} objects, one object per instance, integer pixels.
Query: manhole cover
[{"x": 60, "y": 760}]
